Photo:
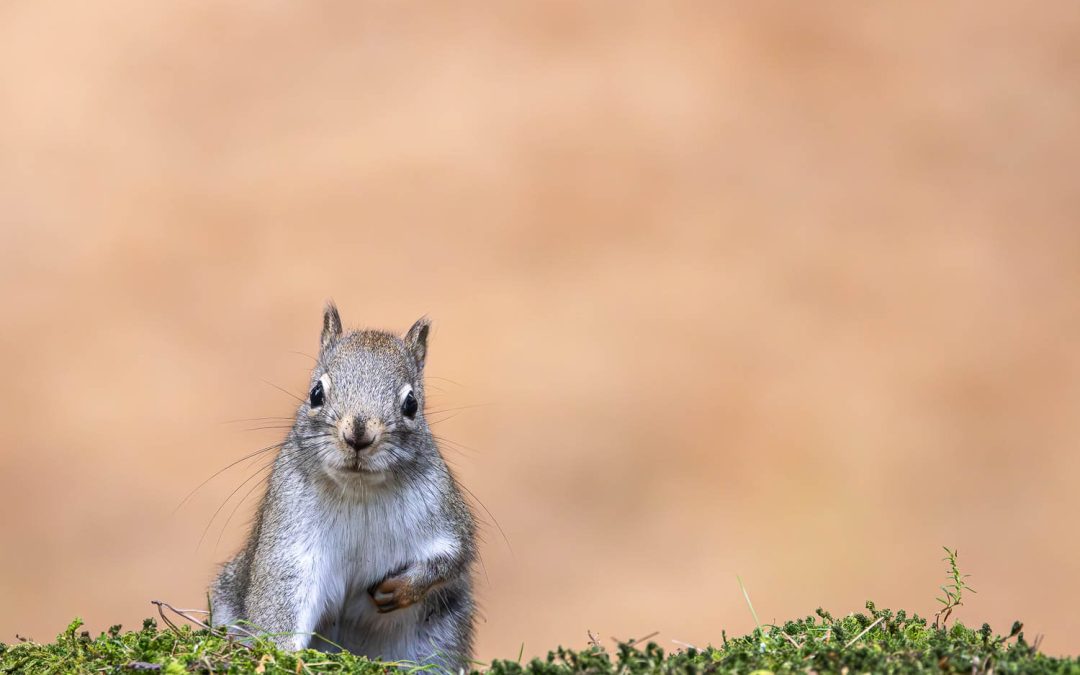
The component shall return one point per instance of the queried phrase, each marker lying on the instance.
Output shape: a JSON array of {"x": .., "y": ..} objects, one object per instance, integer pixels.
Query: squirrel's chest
[{"x": 354, "y": 547}]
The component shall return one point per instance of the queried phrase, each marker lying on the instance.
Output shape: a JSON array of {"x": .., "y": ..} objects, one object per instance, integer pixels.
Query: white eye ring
[
  {"x": 408, "y": 402},
  {"x": 318, "y": 391}
]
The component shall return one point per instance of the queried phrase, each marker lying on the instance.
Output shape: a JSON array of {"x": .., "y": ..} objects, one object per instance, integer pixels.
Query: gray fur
[{"x": 345, "y": 539}]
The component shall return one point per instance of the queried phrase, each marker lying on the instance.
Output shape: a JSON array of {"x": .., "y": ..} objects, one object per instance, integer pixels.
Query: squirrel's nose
[{"x": 356, "y": 434}]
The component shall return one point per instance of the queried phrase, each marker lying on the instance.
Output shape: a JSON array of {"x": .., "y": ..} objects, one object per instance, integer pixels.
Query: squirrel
[{"x": 363, "y": 539}]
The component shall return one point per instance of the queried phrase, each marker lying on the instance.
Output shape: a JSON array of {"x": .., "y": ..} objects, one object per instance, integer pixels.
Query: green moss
[
  {"x": 878, "y": 641},
  {"x": 183, "y": 650}
]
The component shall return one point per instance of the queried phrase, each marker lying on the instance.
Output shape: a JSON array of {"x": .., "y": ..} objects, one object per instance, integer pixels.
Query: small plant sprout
[
  {"x": 761, "y": 631},
  {"x": 953, "y": 591}
]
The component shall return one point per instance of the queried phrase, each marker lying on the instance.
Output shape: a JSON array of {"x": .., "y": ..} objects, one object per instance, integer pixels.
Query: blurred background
[{"x": 774, "y": 290}]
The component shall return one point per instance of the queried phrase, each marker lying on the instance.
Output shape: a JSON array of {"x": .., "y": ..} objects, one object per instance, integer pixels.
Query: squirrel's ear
[
  {"x": 416, "y": 340},
  {"x": 331, "y": 324}
]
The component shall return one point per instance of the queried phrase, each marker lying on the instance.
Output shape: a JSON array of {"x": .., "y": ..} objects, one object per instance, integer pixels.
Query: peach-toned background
[{"x": 767, "y": 289}]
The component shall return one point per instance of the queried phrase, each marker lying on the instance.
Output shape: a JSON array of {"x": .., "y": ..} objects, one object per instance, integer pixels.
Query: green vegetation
[{"x": 877, "y": 641}]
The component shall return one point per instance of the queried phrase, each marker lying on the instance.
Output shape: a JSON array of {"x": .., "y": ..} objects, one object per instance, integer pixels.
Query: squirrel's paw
[{"x": 395, "y": 593}]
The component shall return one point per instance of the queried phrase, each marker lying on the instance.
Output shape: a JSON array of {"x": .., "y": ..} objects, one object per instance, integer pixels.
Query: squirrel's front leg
[
  {"x": 409, "y": 585},
  {"x": 283, "y": 601}
]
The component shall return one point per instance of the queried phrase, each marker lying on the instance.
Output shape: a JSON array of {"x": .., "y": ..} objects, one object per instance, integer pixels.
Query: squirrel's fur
[{"x": 369, "y": 547}]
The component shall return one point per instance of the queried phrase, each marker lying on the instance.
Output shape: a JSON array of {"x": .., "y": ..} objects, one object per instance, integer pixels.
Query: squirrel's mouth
[
  {"x": 357, "y": 470},
  {"x": 361, "y": 464},
  {"x": 374, "y": 460}
]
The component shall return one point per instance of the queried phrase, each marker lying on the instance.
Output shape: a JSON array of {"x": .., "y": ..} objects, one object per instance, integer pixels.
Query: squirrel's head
[{"x": 365, "y": 408}]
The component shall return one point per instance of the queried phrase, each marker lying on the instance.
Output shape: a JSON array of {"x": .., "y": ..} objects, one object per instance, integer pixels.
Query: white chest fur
[{"x": 353, "y": 544}]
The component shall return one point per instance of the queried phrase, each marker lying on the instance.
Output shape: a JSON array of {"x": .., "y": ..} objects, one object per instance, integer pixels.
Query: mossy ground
[{"x": 877, "y": 641}]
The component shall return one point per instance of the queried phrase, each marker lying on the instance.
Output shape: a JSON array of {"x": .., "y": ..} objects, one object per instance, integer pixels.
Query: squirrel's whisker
[
  {"x": 231, "y": 495},
  {"x": 226, "y": 468}
]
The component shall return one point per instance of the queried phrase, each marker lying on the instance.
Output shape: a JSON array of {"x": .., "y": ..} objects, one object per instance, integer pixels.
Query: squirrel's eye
[
  {"x": 409, "y": 406},
  {"x": 317, "y": 395}
]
